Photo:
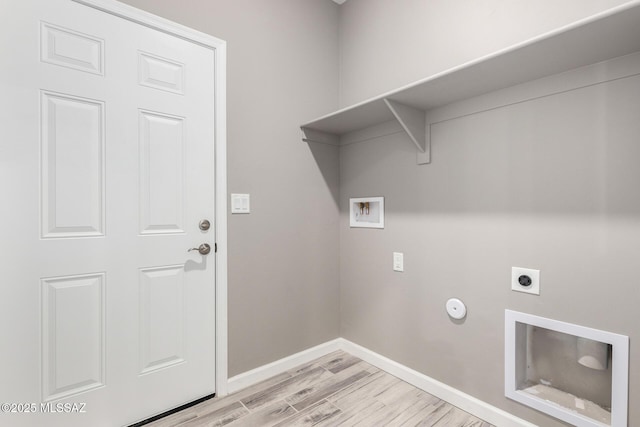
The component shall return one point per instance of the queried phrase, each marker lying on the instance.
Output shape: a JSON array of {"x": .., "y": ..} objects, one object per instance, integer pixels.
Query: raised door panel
[
  {"x": 73, "y": 325},
  {"x": 161, "y": 73},
  {"x": 162, "y": 192},
  {"x": 72, "y": 49},
  {"x": 72, "y": 156},
  {"x": 161, "y": 317}
]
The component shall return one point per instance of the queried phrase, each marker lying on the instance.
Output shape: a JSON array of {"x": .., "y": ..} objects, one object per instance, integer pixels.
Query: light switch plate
[
  {"x": 240, "y": 204},
  {"x": 398, "y": 261}
]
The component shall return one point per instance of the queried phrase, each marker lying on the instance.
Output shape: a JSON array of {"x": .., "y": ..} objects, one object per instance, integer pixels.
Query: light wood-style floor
[{"x": 335, "y": 390}]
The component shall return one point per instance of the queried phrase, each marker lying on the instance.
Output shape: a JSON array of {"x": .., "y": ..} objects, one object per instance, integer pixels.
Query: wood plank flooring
[{"x": 335, "y": 390}]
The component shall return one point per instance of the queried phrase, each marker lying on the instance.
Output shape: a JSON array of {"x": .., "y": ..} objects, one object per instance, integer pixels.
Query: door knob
[{"x": 204, "y": 249}]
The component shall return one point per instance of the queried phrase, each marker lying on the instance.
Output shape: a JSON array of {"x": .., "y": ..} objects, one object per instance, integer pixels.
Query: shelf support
[
  {"x": 312, "y": 135},
  {"x": 413, "y": 121}
]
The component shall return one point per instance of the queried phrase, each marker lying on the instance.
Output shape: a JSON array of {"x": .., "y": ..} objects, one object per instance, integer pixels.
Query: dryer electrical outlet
[{"x": 525, "y": 280}]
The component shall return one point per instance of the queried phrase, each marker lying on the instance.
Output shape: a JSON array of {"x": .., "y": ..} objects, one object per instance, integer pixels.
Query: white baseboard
[
  {"x": 467, "y": 403},
  {"x": 272, "y": 369}
]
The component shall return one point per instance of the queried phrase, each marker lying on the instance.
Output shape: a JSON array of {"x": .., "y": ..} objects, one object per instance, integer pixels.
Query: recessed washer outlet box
[{"x": 525, "y": 280}]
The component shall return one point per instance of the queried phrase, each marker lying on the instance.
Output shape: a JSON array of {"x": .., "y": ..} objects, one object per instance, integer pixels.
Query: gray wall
[
  {"x": 550, "y": 183},
  {"x": 283, "y": 257},
  {"x": 387, "y": 44}
]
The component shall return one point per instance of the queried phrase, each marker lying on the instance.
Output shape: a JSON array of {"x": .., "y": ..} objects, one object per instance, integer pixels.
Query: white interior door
[{"x": 106, "y": 170}]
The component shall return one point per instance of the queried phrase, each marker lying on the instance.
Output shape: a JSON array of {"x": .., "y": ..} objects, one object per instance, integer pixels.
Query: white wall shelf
[{"x": 605, "y": 36}]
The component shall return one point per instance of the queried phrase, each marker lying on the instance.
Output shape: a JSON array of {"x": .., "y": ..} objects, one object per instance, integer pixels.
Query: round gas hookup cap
[{"x": 456, "y": 308}]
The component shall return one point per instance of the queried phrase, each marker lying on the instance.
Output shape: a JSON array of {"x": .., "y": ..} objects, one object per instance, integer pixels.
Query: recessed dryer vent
[{"x": 573, "y": 373}]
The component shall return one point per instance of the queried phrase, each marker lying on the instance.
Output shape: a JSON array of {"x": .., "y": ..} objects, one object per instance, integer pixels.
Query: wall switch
[
  {"x": 525, "y": 280},
  {"x": 398, "y": 261},
  {"x": 240, "y": 204}
]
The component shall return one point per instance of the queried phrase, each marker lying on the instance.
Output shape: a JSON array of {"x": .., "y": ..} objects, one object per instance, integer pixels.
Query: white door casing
[{"x": 109, "y": 119}]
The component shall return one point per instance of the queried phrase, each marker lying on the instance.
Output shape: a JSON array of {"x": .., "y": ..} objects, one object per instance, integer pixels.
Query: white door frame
[{"x": 219, "y": 48}]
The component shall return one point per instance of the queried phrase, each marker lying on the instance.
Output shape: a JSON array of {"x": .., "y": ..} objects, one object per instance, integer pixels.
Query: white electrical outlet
[
  {"x": 398, "y": 261},
  {"x": 525, "y": 280}
]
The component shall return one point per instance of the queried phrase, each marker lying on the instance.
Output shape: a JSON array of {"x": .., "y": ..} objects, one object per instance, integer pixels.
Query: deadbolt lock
[{"x": 204, "y": 225}]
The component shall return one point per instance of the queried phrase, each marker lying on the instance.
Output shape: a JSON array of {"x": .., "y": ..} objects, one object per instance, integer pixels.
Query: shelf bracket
[
  {"x": 312, "y": 135},
  {"x": 413, "y": 121}
]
